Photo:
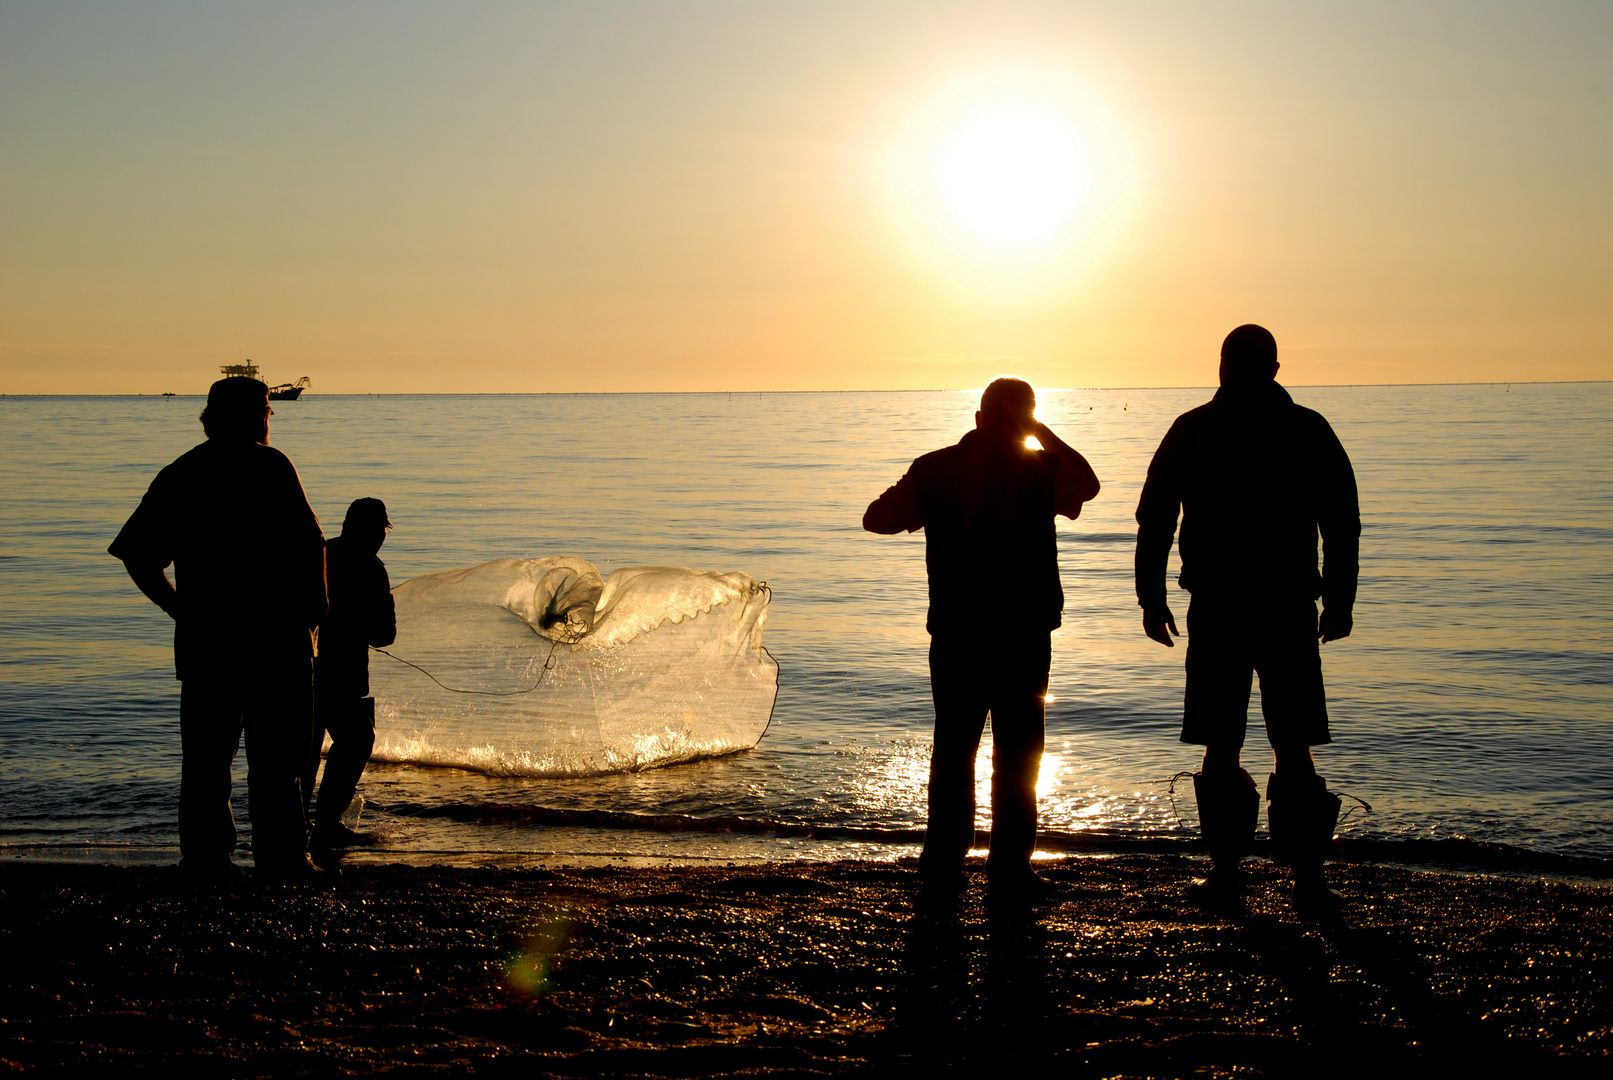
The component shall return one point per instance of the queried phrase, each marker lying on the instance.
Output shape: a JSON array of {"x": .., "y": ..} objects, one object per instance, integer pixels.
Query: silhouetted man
[
  {"x": 361, "y": 614},
  {"x": 249, "y": 568},
  {"x": 987, "y": 506},
  {"x": 1256, "y": 478}
]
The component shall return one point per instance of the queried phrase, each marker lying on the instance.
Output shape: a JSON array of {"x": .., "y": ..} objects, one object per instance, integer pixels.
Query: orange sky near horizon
[{"x": 521, "y": 197}]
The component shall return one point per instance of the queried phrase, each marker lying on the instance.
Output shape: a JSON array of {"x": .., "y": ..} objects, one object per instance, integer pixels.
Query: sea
[{"x": 1472, "y": 708}]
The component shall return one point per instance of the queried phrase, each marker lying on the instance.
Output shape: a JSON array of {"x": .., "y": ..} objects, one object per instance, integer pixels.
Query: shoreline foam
[{"x": 1456, "y": 855}]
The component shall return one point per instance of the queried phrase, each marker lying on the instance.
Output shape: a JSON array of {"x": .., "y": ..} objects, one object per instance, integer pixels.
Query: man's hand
[
  {"x": 1334, "y": 625},
  {"x": 1077, "y": 473},
  {"x": 153, "y": 582},
  {"x": 1049, "y": 441},
  {"x": 1160, "y": 624}
]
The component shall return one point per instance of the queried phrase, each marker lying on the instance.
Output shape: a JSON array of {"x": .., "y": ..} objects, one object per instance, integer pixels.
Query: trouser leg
[
  {"x": 278, "y": 721},
  {"x": 1292, "y": 695},
  {"x": 960, "y": 717},
  {"x": 1018, "y": 707},
  {"x": 209, "y": 733},
  {"x": 1014, "y": 772},
  {"x": 351, "y": 723},
  {"x": 316, "y": 747},
  {"x": 1220, "y": 675}
]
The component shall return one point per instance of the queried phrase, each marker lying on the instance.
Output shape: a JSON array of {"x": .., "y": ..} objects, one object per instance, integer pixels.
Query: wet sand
[{"x": 793, "y": 970}]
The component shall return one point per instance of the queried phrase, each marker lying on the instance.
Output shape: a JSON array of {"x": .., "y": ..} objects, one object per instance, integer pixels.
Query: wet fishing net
[{"x": 538, "y": 667}]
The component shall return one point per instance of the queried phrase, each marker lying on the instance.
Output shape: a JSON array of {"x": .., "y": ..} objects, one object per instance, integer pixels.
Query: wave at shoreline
[
  {"x": 1452, "y": 854},
  {"x": 1447, "y": 853}
]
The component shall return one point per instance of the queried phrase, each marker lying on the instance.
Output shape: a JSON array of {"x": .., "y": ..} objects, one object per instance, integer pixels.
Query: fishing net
[{"x": 537, "y": 667}]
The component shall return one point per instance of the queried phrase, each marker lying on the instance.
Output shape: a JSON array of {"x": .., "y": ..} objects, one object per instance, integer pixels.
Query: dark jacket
[
  {"x": 1256, "y": 478},
  {"x": 248, "y": 558},
  {"x": 986, "y": 506},
  {"x": 361, "y": 614}
]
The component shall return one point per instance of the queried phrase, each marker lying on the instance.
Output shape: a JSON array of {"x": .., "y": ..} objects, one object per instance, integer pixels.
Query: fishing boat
[
  {"x": 283, "y": 392},
  {"x": 290, "y": 391}
]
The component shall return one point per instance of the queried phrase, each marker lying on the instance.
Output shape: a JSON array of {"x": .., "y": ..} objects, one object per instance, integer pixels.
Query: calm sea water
[{"x": 1475, "y": 699}]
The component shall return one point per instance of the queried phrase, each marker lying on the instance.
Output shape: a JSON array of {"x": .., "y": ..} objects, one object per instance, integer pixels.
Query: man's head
[
  {"x": 366, "y": 524},
  {"x": 1007, "y": 406},
  {"x": 1248, "y": 355},
  {"x": 237, "y": 408}
]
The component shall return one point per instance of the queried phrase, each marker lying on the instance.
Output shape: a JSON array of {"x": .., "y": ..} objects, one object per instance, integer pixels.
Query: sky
[{"x": 408, "y": 197}]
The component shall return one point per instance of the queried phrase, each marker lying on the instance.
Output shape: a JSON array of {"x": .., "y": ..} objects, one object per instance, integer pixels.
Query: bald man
[{"x": 1256, "y": 478}]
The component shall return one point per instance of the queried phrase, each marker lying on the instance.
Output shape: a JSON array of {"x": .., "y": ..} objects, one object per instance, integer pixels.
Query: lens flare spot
[{"x": 530, "y": 970}]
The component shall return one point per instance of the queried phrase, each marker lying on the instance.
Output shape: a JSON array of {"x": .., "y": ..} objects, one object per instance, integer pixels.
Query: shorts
[{"x": 1228, "y": 643}]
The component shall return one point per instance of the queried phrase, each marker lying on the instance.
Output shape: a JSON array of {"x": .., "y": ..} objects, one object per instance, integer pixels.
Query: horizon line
[{"x": 930, "y": 390}]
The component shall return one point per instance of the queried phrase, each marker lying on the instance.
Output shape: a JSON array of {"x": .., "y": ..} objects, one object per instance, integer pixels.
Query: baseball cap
[
  {"x": 237, "y": 394},
  {"x": 367, "y": 512}
]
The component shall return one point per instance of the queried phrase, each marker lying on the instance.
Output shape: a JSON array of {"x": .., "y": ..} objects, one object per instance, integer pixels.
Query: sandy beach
[{"x": 793, "y": 970}]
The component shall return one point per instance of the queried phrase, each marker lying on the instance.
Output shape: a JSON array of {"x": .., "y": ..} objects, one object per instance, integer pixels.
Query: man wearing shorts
[
  {"x": 1256, "y": 479},
  {"x": 986, "y": 506}
]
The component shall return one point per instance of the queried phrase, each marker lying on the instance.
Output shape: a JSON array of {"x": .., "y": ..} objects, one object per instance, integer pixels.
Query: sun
[
  {"x": 1012, "y": 177},
  {"x": 1008, "y": 183}
]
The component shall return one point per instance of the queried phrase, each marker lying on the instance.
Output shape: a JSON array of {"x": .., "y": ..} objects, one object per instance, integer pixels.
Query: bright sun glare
[
  {"x": 1010, "y": 184},
  {"x": 1012, "y": 176}
]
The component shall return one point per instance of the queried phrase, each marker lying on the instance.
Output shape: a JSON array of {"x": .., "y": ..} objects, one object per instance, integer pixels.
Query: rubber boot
[
  {"x": 1302, "y": 815},
  {"x": 1229, "y": 810}
]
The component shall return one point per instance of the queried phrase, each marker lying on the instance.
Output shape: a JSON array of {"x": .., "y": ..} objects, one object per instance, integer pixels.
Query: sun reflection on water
[{"x": 890, "y": 780}]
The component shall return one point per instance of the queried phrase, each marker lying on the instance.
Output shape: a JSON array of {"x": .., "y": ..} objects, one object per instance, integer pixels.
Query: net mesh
[{"x": 538, "y": 667}]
